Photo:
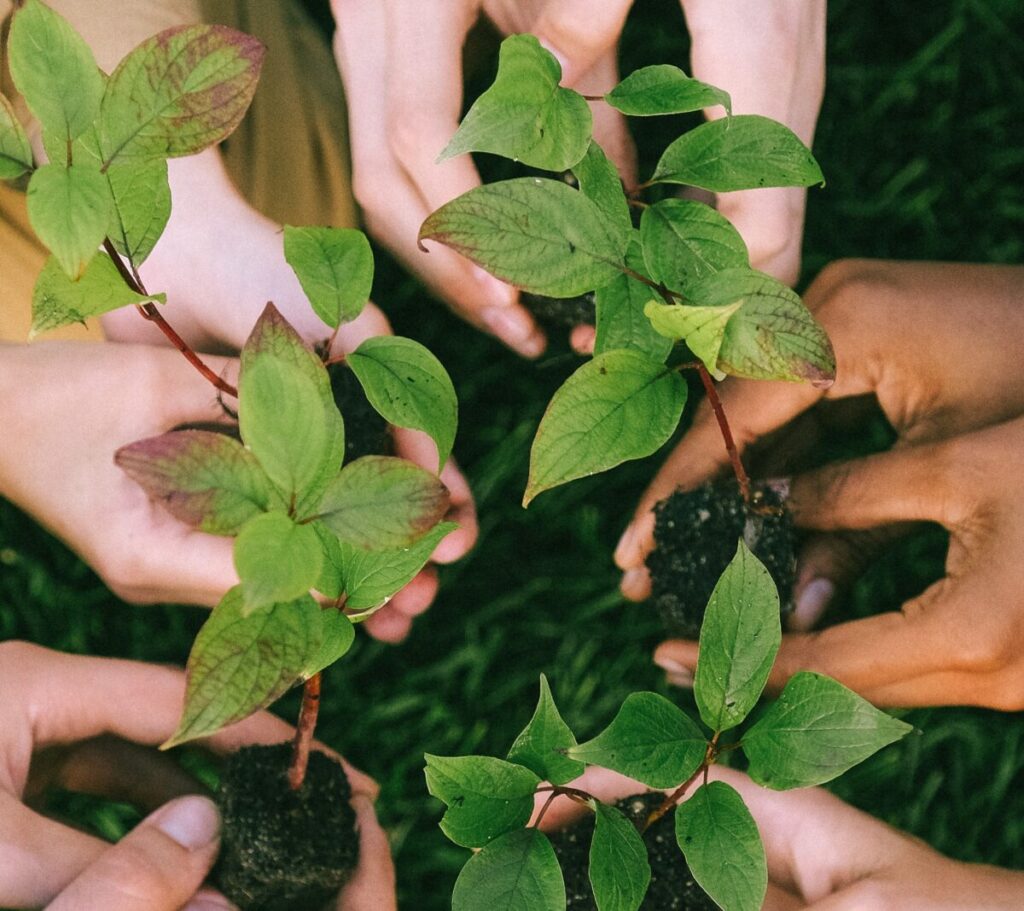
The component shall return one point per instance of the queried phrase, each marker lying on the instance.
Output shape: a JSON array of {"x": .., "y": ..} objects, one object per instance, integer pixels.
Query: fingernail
[
  {"x": 811, "y": 603},
  {"x": 678, "y": 674},
  {"x": 624, "y": 549},
  {"x": 193, "y": 822}
]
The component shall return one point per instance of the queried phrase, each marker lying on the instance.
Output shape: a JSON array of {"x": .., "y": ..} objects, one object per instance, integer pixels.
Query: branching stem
[{"x": 150, "y": 312}]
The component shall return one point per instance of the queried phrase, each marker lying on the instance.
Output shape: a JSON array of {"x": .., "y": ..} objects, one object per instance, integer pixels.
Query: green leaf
[
  {"x": 486, "y": 797},
  {"x": 739, "y": 639},
  {"x": 685, "y": 241},
  {"x": 650, "y": 740},
  {"x": 743, "y": 152},
  {"x": 207, "y": 480},
  {"x": 58, "y": 301},
  {"x": 381, "y": 501},
  {"x": 370, "y": 577},
  {"x": 703, "y": 328},
  {"x": 814, "y": 732},
  {"x": 621, "y": 405},
  {"x": 69, "y": 211},
  {"x": 539, "y": 235},
  {"x": 516, "y": 872},
  {"x": 542, "y": 744},
  {"x": 241, "y": 663},
  {"x": 619, "y": 869},
  {"x": 599, "y": 181},
  {"x": 408, "y": 387},
  {"x": 178, "y": 92},
  {"x": 276, "y": 560},
  {"x": 334, "y": 267},
  {"x": 723, "y": 848},
  {"x": 773, "y": 336},
  {"x": 280, "y": 419},
  {"x": 664, "y": 89},
  {"x": 54, "y": 70},
  {"x": 273, "y": 338},
  {"x": 525, "y": 115},
  {"x": 140, "y": 207},
  {"x": 338, "y": 636},
  {"x": 15, "y": 150},
  {"x": 621, "y": 322}
]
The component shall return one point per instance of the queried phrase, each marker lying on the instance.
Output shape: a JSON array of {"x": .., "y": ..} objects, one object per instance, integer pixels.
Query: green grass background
[{"x": 921, "y": 141}]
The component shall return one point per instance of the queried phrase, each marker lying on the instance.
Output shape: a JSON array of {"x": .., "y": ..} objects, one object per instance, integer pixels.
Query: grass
[{"x": 922, "y": 144}]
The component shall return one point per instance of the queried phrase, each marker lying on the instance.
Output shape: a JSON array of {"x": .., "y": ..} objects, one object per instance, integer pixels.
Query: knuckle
[
  {"x": 844, "y": 289},
  {"x": 17, "y": 652}
]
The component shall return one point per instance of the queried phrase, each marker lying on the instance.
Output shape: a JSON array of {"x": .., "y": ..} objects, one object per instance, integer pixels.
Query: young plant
[
  {"x": 814, "y": 732},
  {"x": 301, "y": 520},
  {"x": 682, "y": 276}
]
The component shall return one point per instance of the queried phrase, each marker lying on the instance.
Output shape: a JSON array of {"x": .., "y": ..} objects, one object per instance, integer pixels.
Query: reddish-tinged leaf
[
  {"x": 205, "y": 479},
  {"x": 380, "y": 501},
  {"x": 179, "y": 92}
]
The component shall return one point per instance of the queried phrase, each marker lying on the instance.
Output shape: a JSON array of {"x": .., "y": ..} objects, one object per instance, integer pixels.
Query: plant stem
[
  {"x": 669, "y": 802},
  {"x": 544, "y": 809},
  {"x": 723, "y": 424},
  {"x": 149, "y": 311},
  {"x": 304, "y": 732}
]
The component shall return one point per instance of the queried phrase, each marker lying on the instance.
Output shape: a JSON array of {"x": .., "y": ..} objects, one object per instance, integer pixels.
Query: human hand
[
  {"x": 946, "y": 646},
  {"x": 895, "y": 339},
  {"x": 80, "y": 723},
  {"x": 771, "y": 60},
  {"x": 57, "y": 462},
  {"x": 824, "y": 855},
  {"x": 402, "y": 68}
]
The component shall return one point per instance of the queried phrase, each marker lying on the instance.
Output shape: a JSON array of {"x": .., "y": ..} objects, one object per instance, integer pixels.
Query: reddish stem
[
  {"x": 149, "y": 311},
  {"x": 669, "y": 802},
  {"x": 723, "y": 424},
  {"x": 544, "y": 809},
  {"x": 304, "y": 732}
]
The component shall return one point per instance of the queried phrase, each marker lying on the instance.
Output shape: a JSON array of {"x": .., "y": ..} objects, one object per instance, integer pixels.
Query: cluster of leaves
[
  {"x": 301, "y": 520},
  {"x": 108, "y": 139},
  {"x": 682, "y": 276},
  {"x": 815, "y": 731}
]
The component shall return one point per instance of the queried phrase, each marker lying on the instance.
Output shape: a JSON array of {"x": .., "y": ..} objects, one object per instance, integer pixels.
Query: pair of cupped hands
[{"x": 80, "y": 723}]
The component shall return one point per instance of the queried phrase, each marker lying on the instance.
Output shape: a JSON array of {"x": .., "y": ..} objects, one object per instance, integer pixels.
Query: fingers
[
  {"x": 829, "y": 562},
  {"x": 582, "y": 339},
  {"x": 754, "y": 409},
  {"x": 579, "y": 33},
  {"x": 419, "y": 448},
  {"x": 64, "y": 698},
  {"x": 397, "y": 110},
  {"x": 184, "y": 396},
  {"x": 372, "y": 887},
  {"x": 39, "y": 856},
  {"x": 919, "y": 483},
  {"x": 393, "y": 623},
  {"x": 156, "y": 867}
]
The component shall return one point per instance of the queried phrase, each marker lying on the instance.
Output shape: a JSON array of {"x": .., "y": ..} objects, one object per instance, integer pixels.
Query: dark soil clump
[
  {"x": 284, "y": 850},
  {"x": 560, "y": 313},
  {"x": 695, "y": 535},
  {"x": 366, "y": 432},
  {"x": 672, "y": 886}
]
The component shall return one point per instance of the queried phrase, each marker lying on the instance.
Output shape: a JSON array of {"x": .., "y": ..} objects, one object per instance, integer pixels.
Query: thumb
[
  {"x": 159, "y": 866},
  {"x": 580, "y": 32}
]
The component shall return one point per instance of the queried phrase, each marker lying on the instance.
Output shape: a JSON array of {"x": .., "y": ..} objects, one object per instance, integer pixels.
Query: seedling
[
  {"x": 814, "y": 732},
  {"x": 682, "y": 276},
  {"x": 302, "y": 515}
]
